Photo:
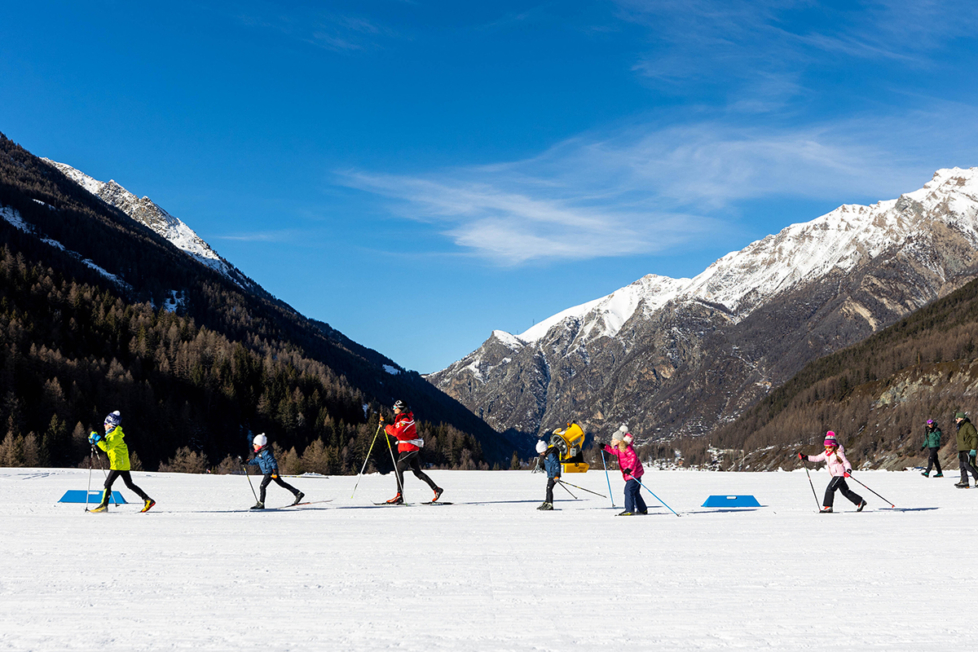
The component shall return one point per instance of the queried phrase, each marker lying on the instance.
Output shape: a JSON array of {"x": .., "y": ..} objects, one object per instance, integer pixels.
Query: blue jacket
[{"x": 552, "y": 462}]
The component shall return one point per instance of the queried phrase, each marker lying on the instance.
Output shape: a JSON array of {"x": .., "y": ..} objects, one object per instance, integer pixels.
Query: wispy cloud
[
  {"x": 319, "y": 27},
  {"x": 646, "y": 189}
]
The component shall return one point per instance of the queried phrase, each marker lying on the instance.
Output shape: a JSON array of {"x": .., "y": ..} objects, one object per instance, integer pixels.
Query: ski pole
[
  {"x": 397, "y": 476},
  {"x": 654, "y": 496},
  {"x": 248, "y": 478},
  {"x": 582, "y": 488},
  {"x": 566, "y": 489},
  {"x": 884, "y": 499},
  {"x": 601, "y": 448},
  {"x": 366, "y": 459},
  {"x": 91, "y": 454},
  {"x": 817, "y": 506}
]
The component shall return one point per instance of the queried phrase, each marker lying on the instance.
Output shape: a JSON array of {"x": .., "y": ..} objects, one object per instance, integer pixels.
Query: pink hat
[{"x": 830, "y": 439}]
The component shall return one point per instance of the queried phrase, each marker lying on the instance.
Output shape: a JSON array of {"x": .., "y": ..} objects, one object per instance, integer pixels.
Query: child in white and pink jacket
[
  {"x": 631, "y": 471},
  {"x": 839, "y": 468}
]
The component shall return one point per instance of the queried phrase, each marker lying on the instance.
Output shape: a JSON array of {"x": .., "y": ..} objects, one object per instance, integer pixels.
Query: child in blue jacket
[
  {"x": 550, "y": 456},
  {"x": 266, "y": 462}
]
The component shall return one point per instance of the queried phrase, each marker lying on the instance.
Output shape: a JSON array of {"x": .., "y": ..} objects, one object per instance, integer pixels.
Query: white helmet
[
  {"x": 261, "y": 440},
  {"x": 541, "y": 446}
]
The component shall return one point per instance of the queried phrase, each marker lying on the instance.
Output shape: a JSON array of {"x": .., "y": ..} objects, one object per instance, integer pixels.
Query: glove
[
  {"x": 382, "y": 418},
  {"x": 240, "y": 461},
  {"x": 626, "y": 471},
  {"x": 847, "y": 474},
  {"x": 921, "y": 448},
  {"x": 972, "y": 453},
  {"x": 801, "y": 455},
  {"x": 95, "y": 438}
]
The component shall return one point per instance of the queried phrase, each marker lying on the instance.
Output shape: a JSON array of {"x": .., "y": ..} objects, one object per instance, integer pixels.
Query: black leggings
[
  {"x": 933, "y": 461},
  {"x": 551, "y": 482},
  {"x": 279, "y": 481},
  {"x": 410, "y": 460},
  {"x": 111, "y": 477},
  {"x": 839, "y": 483}
]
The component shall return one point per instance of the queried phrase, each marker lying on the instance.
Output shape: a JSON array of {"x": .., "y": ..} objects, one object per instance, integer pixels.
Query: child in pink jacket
[
  {"x": 839, "y": 468},
  {"x": 631, "y": 471}
]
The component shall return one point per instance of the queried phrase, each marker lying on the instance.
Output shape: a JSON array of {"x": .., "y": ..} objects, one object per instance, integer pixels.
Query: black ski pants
[
  {"x": 932, "y": 461},
  {"x": 127, "y": 478},
  {"x": 411, "y": 460},
  {"x": 964, "y": 461},
  {"x": 839, "y": 483},
  {"x": 269, "y": 477},
  {"x": 551, "y": 483}
]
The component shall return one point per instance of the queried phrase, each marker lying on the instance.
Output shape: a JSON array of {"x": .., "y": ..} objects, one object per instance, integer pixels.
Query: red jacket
[{"x": 407, "y": 435}]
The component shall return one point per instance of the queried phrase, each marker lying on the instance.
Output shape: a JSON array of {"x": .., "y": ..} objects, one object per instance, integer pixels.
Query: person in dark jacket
[
  {"x": 409, "y": 447},
  {"x": 932, "y": 442},
  {"x": 550, "y": 456},
  {"x": 265, "y": 461},
  {"x": 967, "y": 443}
]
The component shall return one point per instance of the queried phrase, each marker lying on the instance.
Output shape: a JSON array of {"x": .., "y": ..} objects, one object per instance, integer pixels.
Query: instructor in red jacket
[{"x": 409, "y": 448}]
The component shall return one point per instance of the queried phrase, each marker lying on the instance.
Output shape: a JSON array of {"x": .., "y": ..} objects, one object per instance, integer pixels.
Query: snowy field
[{"x": 489, "y": 572}]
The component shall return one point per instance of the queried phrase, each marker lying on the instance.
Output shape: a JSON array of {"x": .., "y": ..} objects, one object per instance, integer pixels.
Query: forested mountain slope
[{"x": 98, "y": 312}]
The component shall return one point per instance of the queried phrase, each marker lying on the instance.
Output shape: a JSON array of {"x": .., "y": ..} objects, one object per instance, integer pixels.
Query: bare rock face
[{"x": 682, "y": 356}]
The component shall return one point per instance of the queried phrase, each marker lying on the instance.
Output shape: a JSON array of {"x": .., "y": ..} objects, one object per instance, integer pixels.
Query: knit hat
[
  {"x": 114, "y": 419},
  {"x": 960, "y": 415},
  {"x": 830, "y": 439},
  {"x": 541, "y": 446},
  {"x": 930, "y": 422},
  {"x": 261, "y": 440},
  {"x": 627, "y": 438}
]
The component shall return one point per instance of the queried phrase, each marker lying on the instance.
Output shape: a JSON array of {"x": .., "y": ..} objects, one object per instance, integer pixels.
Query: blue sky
[{"x": 418, "y": 173}]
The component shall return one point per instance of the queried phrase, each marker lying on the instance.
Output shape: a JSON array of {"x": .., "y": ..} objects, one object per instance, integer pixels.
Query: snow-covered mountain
[
  {"x": 146, "y": 212},
  {"x": 678, "y": 356}
]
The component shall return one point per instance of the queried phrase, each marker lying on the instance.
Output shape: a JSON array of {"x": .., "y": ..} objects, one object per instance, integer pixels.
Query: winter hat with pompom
[
  {"x": 114, "y": 419},
  {"x": 541, "y": 446},
  {"x": 830, "y": 439},
  {"x": 261, "y": 440}
]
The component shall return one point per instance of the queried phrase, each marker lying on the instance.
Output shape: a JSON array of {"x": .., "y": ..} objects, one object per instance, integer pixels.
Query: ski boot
[
  {"x": 625, "y": 514},
  {"x": 102, "y": 507},
  {"x": 644, "y": 512},
  {"x": 859, "y": 507},
  {"x": 546, "y": 507},
  {"x": 258, "y": 505},
  {"x": 298, "y": 498},
  {"x": 826, "y": 510},
  {"x": 148, "y": 505},
  {"x": 438, "y": 492},
  {"x": 396, "y": 500}
]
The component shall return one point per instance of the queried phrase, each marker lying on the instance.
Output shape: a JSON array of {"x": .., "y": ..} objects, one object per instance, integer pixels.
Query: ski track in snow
[{"x": 488, "y": 573}]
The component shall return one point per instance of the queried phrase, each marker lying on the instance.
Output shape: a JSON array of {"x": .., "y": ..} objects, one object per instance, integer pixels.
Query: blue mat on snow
[
  {"x": 78, "y": 496},
  {"x": 731, "y": 501}
]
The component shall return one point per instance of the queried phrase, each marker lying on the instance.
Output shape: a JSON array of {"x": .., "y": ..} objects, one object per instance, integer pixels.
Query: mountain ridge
[{"x": 808, "y": 290}]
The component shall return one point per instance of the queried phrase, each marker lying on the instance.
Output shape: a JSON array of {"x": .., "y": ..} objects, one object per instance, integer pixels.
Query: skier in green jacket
[
  {"x": 967, "y": 443},
  {"x": 114, "y": 445},
  {"x": 932, "y": 442}
]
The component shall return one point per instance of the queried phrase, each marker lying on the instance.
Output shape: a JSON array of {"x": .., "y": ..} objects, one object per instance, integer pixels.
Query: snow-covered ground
[{"x": 489, "y": 572}]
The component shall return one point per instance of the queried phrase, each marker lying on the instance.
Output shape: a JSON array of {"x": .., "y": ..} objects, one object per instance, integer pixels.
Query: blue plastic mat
[
  {"x": 731, "y": 501},
  {"x": 78, "y": 496}
]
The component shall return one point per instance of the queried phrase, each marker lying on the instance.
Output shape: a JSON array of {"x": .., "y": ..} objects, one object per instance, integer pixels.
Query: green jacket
[
  {"x": 115, "y": 447},
  {"x": 933, "y": 438},
  {"x": 967, "y": 436}
]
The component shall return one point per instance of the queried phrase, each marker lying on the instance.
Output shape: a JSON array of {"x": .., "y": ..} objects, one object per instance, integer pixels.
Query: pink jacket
[
  {"x": 837, "y": 462},
  {"x": 627, "y": 459}
]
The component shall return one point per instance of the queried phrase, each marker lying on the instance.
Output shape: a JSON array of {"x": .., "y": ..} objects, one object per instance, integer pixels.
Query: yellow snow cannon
[{"x": 570, "y": 443}]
